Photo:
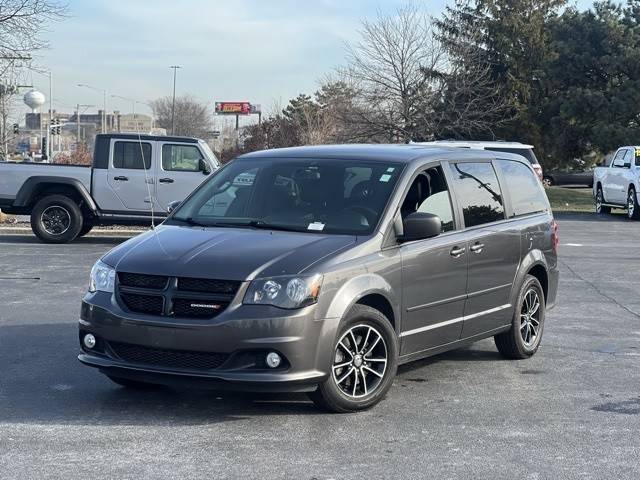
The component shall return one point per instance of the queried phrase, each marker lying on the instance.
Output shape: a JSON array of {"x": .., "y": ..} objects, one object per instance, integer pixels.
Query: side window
[
  {"x": 618, "y": 160},
  {"x": 524, "y": 188},
  {"x": 132, "y": 155},
  {"x": 628, "y": 158},
  {"x": 429, "y": 194},
  {"x": 637, "y": 155},
  {"x": 181, "y": 158},
  {"x": 478, "y": 192}
]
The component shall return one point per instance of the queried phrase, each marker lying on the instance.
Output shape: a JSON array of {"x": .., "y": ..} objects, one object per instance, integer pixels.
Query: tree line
[{"x": 535, "y": 71}]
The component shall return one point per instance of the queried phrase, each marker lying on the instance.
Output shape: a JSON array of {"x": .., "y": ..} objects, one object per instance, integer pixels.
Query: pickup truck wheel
[
  {"x": 600, "y": 208},
  {"x": 56, "y": 219},
  {"x": 633, "y": 209},
  {"x": 523, "y": 339},
  {"x": 365, "y": 360},
  {"x": 547, "y": 181}
]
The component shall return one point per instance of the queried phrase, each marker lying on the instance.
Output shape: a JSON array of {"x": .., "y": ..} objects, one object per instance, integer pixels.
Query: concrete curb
[{"x": 93, "y": 233}]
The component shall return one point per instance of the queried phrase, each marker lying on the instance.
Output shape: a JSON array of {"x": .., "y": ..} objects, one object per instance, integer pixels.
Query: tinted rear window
[
  {"x": 524, "y": 188},
  {"x": 525, "y": 152}
]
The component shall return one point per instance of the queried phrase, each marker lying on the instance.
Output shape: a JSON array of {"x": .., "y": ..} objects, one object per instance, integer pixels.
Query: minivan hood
[{"x": 223, "y": 253}]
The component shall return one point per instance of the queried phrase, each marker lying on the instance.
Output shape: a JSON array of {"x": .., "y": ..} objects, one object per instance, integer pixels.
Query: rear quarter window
[
  {"x": 524, "y": 188},
  {"x": 525, "y": 152}
]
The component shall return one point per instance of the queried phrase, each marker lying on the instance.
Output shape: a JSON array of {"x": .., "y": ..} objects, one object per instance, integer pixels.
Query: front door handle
[
  {"x": 166, "y": 180},
  {"x": 121, "y": 178},
  {"x": 456, "y": 252},
  {"x": 476, "y": 247}
]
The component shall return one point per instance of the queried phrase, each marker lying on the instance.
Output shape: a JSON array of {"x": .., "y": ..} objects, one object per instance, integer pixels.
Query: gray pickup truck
[{"x": 132, "y": 178}]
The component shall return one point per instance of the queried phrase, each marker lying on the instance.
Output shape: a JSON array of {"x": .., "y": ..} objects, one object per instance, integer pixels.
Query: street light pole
[
  {"x": 173, "y": 103},
  {"x": 104, "y": 104}
]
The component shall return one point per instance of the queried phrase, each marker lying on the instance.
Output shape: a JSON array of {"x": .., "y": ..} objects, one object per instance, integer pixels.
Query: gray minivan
[{"x": 321, "y": 269}]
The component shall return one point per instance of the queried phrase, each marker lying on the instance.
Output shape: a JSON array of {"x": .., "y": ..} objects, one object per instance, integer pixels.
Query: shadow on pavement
[
  {"x": 10, "y": 238},
  {"x": 42, "y": 382}
]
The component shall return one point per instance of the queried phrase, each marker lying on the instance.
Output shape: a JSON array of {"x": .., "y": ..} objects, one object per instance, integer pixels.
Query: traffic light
[
  {"x": 16, "y": 129},
  {"x": 44, "y": 148},
  {"x": 58, "y": 130},
  {"x": 52, "y": 130}
]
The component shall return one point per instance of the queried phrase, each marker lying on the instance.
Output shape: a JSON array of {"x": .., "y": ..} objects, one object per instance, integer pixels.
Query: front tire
[
  {"x": 600, "y": 208},
  {"x": 56, "y": 219},
  {"x": 365, "y": 361},
  {"x": 633, "y": 209},
  {"x": 523, "y": 339},
  {"x": 548, "y": 182}
]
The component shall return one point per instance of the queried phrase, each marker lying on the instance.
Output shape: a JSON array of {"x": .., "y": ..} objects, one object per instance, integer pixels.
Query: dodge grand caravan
[{"x": 321, "y": 269}]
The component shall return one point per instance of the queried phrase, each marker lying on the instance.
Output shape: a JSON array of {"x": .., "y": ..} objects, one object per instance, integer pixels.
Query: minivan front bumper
[{"x": 240, "y": 337}]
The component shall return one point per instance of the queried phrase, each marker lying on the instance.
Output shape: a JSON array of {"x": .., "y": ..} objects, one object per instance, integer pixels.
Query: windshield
[{"x": 329, "y": 196}]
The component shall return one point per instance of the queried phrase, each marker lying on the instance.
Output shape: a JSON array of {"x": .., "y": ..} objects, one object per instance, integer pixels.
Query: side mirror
[
  {"x": 627, "y": 165},
  {"x": 420, "y": 225},
  {"x": 204, "y": 167},
  {"x": 173, "y": 205}
]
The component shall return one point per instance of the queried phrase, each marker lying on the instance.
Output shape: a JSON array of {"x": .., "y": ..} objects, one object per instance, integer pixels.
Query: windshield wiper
[{"x": 272, "y": 226}]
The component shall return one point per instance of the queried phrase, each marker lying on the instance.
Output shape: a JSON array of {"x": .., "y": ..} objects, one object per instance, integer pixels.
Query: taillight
[{"x": 555, "y": 238}]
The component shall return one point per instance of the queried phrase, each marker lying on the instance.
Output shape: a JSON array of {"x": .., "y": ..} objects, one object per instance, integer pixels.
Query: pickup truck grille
[
  {"x": 168, "y": 358},
  {"x": 181, "y": 297}
]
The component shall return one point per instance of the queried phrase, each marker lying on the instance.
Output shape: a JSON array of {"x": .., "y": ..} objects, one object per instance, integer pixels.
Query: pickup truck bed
[{"x": 132, "y": 179}]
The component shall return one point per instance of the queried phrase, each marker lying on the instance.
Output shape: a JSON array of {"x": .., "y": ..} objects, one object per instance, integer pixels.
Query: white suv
[{"x": 509, "y": 147}]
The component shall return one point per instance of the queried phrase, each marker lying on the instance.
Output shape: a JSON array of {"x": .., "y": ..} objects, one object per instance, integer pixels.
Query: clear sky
[{"x": 263, "y": 51}]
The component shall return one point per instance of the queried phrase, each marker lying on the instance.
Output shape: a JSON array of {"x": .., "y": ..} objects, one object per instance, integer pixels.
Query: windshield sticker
[
  {"x": 318, "y": 226},
  {"x": 390, "y": 170},
  {"x": 385, "y": 178}
]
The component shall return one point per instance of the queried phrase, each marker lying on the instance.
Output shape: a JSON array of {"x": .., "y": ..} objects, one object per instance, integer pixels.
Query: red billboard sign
[{"x": 233, "y": 108}]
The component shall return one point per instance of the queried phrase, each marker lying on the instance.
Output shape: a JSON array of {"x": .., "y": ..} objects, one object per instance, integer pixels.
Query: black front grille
[
  {"x": 207, "y": 285},
  {"x": 168, "y": 358},
  {"x": 183, "y": 297},
  {"x": 137, "y": 280},
  {"x": 191, "y": 308},
  {"x": 151, "y": 304}
]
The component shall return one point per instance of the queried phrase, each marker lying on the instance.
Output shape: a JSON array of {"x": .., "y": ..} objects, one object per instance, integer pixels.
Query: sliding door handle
[
  {"x": 166, "y": 180},
  {"x": 457, "y": 252},
  {"x": 121, "y": 178},
  {"x": 477, "y": 247}
]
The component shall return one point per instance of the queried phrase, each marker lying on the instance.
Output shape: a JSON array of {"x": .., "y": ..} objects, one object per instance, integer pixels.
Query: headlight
[
  {"x": 102, "y": 278},
  {"x": 284, "y": 292}
]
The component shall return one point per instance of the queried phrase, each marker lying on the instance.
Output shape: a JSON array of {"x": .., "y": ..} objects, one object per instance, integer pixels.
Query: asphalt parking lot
[{"x": 572, "y": 411}]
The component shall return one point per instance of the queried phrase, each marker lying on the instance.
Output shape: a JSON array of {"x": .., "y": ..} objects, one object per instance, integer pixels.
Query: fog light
[
  {"x": 273, "y": 360},
  {"x": 89, "y": 341}
]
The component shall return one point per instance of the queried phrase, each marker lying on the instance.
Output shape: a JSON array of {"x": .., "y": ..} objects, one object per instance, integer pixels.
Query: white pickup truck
[
  {"x": 618, "y": 185},
  {"x": 132, "y": 177}
]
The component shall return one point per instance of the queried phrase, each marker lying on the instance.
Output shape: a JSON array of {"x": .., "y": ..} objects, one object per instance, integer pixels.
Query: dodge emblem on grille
[{"x": 213, "y": 306}]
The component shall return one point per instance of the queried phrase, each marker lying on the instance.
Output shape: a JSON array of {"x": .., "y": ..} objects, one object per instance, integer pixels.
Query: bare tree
[
  {"x": 192, "y": 118},
  {"x": 409, "y": 84},
  {"x": 386, "y": 68},
  {"x": 22, "y": 23}
]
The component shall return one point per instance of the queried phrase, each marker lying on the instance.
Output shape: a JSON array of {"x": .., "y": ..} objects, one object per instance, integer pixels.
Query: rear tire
[
  {"x": 600, "y": 208},
  {"x": 523, "y": 339},
  {"x": 548, "y": 181},
  {"x": 358, "y": 377},
  {"x": 633, "y": 209},
  {"x": 133, "y": 384},
  {"x": 56, "y": 219}
]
